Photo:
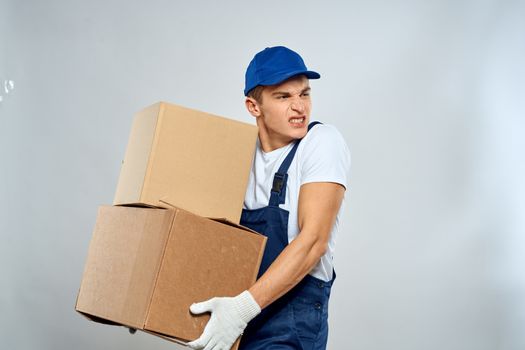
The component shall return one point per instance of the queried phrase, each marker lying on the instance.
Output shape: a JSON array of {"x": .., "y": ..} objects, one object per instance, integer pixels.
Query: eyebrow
[{"x": 275, "y": 93}]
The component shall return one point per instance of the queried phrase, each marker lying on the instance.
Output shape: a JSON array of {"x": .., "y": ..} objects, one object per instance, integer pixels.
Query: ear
[{"x": 252, "y": 106}]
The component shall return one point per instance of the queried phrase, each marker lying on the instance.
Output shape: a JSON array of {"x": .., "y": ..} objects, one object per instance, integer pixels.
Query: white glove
[{"x": 229, "y": 317}]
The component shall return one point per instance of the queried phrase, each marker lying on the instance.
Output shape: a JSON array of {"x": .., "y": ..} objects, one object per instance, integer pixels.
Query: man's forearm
[
  {"x": 319, "y": 204},
  {"x": 294, "y": 262}
]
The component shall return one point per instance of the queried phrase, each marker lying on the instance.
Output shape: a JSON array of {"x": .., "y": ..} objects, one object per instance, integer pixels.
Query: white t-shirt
[{"x": 322, "y": 156}]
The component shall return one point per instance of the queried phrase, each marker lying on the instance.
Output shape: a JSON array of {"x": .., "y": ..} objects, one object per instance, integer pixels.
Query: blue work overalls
[{"x": 299, "y": 319}]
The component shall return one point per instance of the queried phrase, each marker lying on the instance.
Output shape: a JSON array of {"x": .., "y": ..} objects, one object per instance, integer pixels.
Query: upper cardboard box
[
  {"x": 194, "y": 160},
  {"x": 146, "y": 266}
]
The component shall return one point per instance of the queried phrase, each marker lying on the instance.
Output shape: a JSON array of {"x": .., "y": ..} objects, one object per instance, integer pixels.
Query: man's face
[{"x": 284, "y": 112}]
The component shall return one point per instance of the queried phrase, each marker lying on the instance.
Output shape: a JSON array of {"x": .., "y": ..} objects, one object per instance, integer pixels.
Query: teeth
[{"x": 296, "y": 120}]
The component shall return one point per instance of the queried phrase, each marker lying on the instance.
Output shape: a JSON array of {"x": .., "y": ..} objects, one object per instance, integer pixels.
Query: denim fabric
[
  {"x": 273, "y": 223},
  {"x": 298, "y": 320}
]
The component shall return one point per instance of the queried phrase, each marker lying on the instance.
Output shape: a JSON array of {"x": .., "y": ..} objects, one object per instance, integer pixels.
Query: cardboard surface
[
  {"x": 194, "y": 160},
  {"x": 123, "y": 259},
  {"x": 146, "y": 266}
]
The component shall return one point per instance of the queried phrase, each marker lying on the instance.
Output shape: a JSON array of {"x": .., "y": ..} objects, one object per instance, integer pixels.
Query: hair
[{"x": 256, "y": 93}]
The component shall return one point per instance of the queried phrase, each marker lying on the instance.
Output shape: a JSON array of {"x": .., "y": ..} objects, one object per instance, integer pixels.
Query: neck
[{"x": 270, "y": 142}]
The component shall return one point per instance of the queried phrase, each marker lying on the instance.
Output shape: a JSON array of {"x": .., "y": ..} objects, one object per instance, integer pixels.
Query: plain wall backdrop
[{"x": 428, "y": 94}]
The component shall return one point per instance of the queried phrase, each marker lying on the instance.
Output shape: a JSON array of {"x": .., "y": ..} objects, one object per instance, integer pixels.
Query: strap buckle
[{"x": 278, "y": 181}]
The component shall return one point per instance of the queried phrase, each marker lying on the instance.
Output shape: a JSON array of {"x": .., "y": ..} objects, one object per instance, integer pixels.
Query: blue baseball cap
[{"x": 274, "y": 65}]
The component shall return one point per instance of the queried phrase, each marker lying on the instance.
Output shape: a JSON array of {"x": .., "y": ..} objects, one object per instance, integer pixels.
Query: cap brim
[{"x": 277, "y": 79}]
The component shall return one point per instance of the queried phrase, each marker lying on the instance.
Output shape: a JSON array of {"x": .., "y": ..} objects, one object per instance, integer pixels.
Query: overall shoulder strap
[{"x": 280, "y": 178}]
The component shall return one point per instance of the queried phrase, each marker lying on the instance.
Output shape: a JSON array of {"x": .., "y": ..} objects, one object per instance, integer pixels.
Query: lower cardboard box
[{"x": 146, "y": 266}]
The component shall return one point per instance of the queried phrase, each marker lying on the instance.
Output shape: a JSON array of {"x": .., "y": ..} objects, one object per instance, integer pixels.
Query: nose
[{"x": 297, "y": 105}]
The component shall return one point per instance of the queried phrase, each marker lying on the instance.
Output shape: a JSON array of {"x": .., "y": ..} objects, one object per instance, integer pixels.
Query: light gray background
[{"x": 428, "y": 94}]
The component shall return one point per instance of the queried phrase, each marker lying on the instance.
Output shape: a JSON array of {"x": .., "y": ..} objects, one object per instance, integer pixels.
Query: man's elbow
[
  {"x": 316, "y": 244},
  {"x": 319, "y": 249}
]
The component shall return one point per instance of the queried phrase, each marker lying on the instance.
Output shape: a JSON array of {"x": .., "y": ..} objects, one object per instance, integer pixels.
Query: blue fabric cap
[{"x": 274, "y": 65}]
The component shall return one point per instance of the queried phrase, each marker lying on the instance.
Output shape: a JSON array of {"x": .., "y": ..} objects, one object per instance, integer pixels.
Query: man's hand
[{"x": 229, "y": 317}]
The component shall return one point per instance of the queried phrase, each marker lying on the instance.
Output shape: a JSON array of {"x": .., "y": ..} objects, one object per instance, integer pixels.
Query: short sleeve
[{"x": 325, "y": 156}]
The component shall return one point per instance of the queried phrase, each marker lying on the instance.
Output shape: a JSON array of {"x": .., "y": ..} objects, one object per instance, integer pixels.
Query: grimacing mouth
[{"x": 297, "y": 120}]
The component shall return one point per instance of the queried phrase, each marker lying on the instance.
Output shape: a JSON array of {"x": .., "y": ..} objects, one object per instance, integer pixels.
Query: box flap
[
  {"x": 98, "y": 319},
  {"x": 221, "y": 220},
  {"x": 228, "y": 222}
]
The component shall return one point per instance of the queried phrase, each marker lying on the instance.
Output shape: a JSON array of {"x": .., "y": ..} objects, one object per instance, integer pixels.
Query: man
[{"x": 296, "y": 187}]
